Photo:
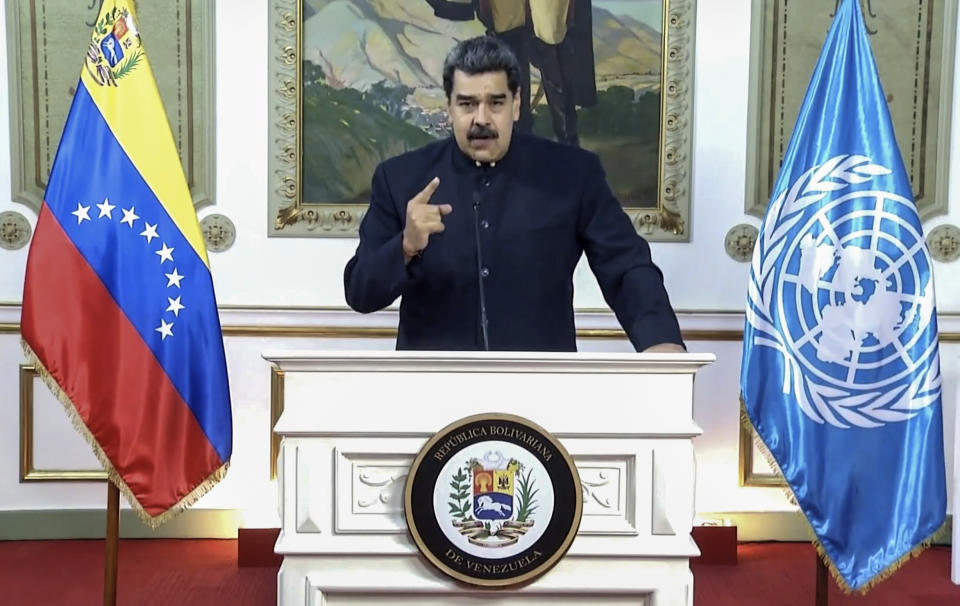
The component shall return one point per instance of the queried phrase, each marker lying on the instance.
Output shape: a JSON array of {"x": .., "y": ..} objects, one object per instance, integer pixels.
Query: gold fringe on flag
[
  {"x": 821, "y": 551},
  {"x": 152, "y": 521}
]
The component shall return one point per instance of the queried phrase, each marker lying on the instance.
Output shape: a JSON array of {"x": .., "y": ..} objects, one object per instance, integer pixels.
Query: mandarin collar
[{"x": 462, "y": 161}]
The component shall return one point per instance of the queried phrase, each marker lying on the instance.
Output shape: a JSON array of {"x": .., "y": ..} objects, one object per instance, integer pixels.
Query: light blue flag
[{"x": 841, "y": 373}]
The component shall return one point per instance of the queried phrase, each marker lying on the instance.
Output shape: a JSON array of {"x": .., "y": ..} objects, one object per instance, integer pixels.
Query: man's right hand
[{"x": 423, "y": 219}]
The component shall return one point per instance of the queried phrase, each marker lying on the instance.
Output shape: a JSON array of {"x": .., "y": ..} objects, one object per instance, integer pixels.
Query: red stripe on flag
[{"x": 116, "y": 384}]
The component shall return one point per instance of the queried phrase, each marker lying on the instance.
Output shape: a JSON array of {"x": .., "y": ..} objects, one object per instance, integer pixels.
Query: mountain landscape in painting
[{"x": 372, "y": 88}]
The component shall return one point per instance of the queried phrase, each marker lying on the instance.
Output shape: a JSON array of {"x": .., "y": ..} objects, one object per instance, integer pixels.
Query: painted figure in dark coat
[
  {"x": 480, "y": 233},
  {"x": 554, "y": 35}
]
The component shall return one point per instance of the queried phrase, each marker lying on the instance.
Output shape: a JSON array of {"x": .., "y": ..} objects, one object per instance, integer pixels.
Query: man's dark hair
[{"x": 478, "y": 56}]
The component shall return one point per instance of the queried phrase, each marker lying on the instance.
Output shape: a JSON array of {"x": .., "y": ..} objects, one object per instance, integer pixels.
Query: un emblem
[{"x": 841, "y": 286}]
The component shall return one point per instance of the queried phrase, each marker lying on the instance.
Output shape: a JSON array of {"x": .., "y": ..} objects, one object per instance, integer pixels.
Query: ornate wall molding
[
  {"x": 371, "y": 484},
  {"x": 739, "y": 242},
  {"x": 701, "y": 331},
  {"x": 913, "y": 43},
  {"x": 752, "y": 468},
  {"x": 28, "y": 472},
  {"x": 14, "y": 230},
  {"x": 676, "y": 125},
  {"x": 342, "y": 323},
  {"x": 944, "y": 243},
  {"x": 219, "y": 232},
  {"x": 609, "y": 490},
  {"x": 46, "y": 40}
]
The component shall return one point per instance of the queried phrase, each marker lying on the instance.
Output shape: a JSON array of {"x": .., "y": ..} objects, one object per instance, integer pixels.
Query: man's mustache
[{"x": 480, "y": 131}]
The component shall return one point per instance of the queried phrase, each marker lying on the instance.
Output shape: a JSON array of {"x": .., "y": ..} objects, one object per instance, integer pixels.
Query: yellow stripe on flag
[{"x": 133, "y": 109}]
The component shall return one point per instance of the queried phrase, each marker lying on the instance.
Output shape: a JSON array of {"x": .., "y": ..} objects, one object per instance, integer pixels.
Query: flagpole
[
  {"x": 113, "y": 532},
  {"x": 821, "y": 595}
]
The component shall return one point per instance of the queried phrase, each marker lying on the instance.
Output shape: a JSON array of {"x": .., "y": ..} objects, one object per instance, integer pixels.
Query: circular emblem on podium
[{"x": 493, "y": 500}]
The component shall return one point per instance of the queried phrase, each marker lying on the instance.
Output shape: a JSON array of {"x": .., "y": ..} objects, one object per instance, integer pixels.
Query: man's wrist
[{"x": 410, "y": 253}]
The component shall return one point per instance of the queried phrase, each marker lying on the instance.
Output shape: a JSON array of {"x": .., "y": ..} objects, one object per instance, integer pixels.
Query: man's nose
[{"x": 483, "y": 114}]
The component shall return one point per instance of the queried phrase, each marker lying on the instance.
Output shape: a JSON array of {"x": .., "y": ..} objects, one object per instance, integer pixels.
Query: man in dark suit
[
  {"x": 554, "y": 35},
  {"x": 480, "y": 233}
]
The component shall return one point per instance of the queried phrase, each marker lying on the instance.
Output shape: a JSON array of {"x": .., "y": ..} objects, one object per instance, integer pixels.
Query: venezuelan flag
[{"x": 119, "y": 312}]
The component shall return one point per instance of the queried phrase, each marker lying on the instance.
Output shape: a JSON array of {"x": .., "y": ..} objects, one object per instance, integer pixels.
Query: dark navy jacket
[{"x": 533, "y": 213}]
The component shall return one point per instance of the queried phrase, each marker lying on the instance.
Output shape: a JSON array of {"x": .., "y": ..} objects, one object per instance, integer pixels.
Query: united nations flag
[{"x": 841, "y": 375}]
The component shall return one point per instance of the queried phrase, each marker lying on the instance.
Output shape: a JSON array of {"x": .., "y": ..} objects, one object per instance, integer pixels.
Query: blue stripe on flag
[{"x": 125, "y": 256}]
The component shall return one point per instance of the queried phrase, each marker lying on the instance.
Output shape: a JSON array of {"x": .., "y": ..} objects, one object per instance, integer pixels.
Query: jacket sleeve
[
  {"x": 631, "y": 283},
  {"x": 377, "y": 274}
]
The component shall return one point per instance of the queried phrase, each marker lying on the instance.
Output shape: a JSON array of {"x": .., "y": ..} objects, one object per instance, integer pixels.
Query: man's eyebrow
[{"x": 492, "y": 97}]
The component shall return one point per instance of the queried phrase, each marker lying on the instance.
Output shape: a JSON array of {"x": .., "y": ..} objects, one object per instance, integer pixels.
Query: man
[
  {"x": 481, "y": 233},
  {"x": 554, "y": 35}
]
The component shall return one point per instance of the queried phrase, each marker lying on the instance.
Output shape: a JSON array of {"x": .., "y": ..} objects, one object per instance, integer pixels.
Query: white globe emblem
[
  {"x": 843, "y": 289},
  {"x": 857, "y": 281}
]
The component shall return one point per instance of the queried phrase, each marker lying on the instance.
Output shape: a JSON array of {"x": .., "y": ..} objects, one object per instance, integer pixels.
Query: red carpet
[
  {"x": 205, "y": 573},
  {"x": 783, "y": 574},
  {"x": 152, "y": 572}
]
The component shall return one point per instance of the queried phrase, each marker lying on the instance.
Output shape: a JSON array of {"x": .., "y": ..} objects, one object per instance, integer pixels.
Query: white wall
[
  {"x": 260, "y": 273},
  {"x": 308, "y": 272}
]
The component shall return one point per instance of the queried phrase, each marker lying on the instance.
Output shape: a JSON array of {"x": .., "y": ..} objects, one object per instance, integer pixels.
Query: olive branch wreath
[
  {"x": 824, "y": 403},
  {"x": 459, "y": 499}
]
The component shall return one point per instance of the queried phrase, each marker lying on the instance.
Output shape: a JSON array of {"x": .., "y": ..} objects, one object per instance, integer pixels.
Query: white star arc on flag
[
  {"x": 173, "y": 279},
  {"x": 82, "y": 213},
  {"x": 150, "y": 232},
  {"x": 106, "y": 209},
  {"x": 166, "y": 253},
  {"x": 175, "y": 306},
  {"x": 165, "y": 330},
  {"x": 129, "y": 217}
]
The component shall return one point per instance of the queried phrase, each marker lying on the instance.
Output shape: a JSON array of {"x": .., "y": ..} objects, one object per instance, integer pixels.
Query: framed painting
[
  {"x": 913, "y": 44},
  {"x": 355, "y": 82},
  {"x": 46, "y": 43}
]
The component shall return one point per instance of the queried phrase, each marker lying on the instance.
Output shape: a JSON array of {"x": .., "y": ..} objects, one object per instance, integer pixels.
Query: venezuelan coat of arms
[
  {"x": 115, "y": 48},
  {"x": 493, "y": 500}
]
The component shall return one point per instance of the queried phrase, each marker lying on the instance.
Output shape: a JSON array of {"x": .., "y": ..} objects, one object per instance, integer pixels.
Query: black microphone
[{"x": 483, "y": 298}]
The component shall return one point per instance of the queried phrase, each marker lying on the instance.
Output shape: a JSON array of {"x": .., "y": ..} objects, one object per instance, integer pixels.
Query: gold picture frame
[
  {"x": 291, "y": 215},
  {"x": 29, "y": 473},
  {"x": 276, "y": 408},
  {"x": 749, "y": 475}
]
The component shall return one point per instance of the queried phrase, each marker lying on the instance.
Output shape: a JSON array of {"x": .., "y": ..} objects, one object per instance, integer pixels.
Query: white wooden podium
[{"x": 352, "y": 423}]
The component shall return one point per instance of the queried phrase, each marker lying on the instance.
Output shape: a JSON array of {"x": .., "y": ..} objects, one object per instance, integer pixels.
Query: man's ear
[{"x": 516, "y": 104}]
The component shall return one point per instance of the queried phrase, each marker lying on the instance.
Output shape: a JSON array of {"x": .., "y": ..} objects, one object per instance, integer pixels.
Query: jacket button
[
  {"x": 484, "y": 272},
  {"x": 484, "y": 224}
]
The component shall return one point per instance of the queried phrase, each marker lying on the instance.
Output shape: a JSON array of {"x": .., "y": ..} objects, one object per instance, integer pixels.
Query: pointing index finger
[{"x": 424, "y": 196}]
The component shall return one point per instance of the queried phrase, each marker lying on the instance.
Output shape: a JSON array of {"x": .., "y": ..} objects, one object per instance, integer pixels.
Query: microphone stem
[{"x": 483, "y": 299}]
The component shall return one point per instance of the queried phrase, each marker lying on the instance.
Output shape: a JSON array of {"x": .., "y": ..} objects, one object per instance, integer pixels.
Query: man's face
[{"x": 482, "y": 112}]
